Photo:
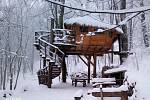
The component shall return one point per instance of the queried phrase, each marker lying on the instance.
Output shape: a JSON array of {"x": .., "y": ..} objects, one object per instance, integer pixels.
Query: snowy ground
[
  {"x": 138, "y": 66},
  {"x": 29, "y": 89}
]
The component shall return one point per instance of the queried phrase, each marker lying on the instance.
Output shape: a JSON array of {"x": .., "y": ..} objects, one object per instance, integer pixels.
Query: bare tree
[
  {"x": 130, "y": 25},
  {"x": 123, "y": 39},
  {"x": 143, "y": 26}
]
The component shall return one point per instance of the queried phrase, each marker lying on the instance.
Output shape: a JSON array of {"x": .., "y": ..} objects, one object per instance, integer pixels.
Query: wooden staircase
[
  {"x": 56, "y": 72},
  {"x": 43, "y": 74},
  {"x": 52, "y": 58}
]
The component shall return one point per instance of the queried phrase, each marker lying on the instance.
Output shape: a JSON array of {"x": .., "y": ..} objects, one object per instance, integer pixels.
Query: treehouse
[
  {"x": 82, "y": 36},
  {"x": 92, "y": 36}
]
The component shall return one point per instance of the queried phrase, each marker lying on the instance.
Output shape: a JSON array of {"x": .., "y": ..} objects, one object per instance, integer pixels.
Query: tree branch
[{"x": 125, "y": 11}]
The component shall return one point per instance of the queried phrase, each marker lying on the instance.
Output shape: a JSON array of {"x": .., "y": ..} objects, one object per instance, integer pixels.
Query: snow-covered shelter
[
  {"x": 92, "y": 34},
  {"x": 82, "y": 36},
  {"x": 85, "y": 24}
]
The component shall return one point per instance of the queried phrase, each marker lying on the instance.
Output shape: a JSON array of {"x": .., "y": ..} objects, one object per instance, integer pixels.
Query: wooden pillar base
[
  {"x": 49, "y": 79},
  {"x": 89, "y": 73},
  {"x": 64, "y": 71},
  {"x": 94, "y": 66}
]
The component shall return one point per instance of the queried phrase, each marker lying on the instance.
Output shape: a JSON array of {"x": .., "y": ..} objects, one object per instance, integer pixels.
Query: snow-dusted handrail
[
  {"x": 46, "y": 48},
  {"x": 40, "y": 38},
  {"x": 124, "y": 11}
]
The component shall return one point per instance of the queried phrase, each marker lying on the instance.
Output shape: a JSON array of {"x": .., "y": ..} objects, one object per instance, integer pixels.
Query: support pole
[
  {"x": 44, "y": 62},
  {"x": 49, "y": 80},
  {"x": 89, "y": 59},
  {"x": 64, "y": 70},
  {"x": 94, "y": 66},
  {"x": 44, "y": 58},
  {"x": 112, "y": 54}
]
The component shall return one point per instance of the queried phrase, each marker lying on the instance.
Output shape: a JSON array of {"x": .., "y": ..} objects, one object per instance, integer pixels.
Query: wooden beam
[
  {"x": 89, "y": 74},
  {"x": 64, "y": 70},
  {"x": 90, "y": 60},
  {"x": 83, "y": 60},
  {"x": 112, "y": 54},
  {"x": 94, "y": 66},
  {"x": 88, "y": 64},
  {"x": 44, "y": 62},
  {"x": 49, "y": 80}
]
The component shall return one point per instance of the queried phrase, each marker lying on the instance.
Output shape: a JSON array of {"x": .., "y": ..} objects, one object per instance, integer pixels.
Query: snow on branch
[
  {"x": 13, "y": 53},
  {"x": 124, "y": 11},
  {"x": 124, "y": 21},
  {"x": 128, "y": 18}
]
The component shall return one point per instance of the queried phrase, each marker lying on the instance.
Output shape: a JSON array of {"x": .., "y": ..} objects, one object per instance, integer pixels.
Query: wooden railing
[
  {"x": 51, "y": 54},
  {"x": 47, "y": 50},
  {"x": 43, "y": 76}
]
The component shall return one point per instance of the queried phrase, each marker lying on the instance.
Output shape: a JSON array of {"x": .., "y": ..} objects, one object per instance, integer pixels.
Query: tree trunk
[
  {"x": 18, "y": 72},
  {"x": 144, "y": 29},
  {"x": 123, "y": 41},
  {"x": 61, "y": 17},
  {"x": 130, "y": 30},
  {"x": 56, "y": 16}
]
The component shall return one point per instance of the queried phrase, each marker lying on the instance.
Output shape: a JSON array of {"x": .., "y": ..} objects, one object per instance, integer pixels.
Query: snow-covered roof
[
  {"x": 102, "y": 80},
  {"x": 61, "y": 29},
  {"x": 115, "y": 70},
  {"x": 89, "y": 21}
]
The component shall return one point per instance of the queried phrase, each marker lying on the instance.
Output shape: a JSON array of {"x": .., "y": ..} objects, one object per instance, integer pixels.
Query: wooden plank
[
  {"x": 107, "y": 94},
  {"x": 123, "y": 94},
  {"x": 104, "y": 84}
]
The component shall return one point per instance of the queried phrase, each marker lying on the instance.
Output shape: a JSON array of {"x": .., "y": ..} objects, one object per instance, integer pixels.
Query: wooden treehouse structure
[{"x": 80, "y": 37}]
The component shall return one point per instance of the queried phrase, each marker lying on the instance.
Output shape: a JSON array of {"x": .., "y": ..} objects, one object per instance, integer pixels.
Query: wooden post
[
  {"x": 94, "y": 67},
  {"x": 64, "y": 70},
  {"x": 89, "y": 59},
  {"x": 52, "y": 23},
  {"x": 55, "y": 55},
  {"x": 44, "y": 62},
  {"x": 120, "y": 49},
  {"x": 44, "y": 58},
  {"x": 49, "y": 80},
  {"x": 101, "y": 90},
  {"x": 51, "y": 40},
  {"x": 112, "y": 54},
  {"x": 124, "y": 95}
]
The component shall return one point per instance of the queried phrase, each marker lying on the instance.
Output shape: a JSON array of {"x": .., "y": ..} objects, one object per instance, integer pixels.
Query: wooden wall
[{"x": 104, "y": 39}]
